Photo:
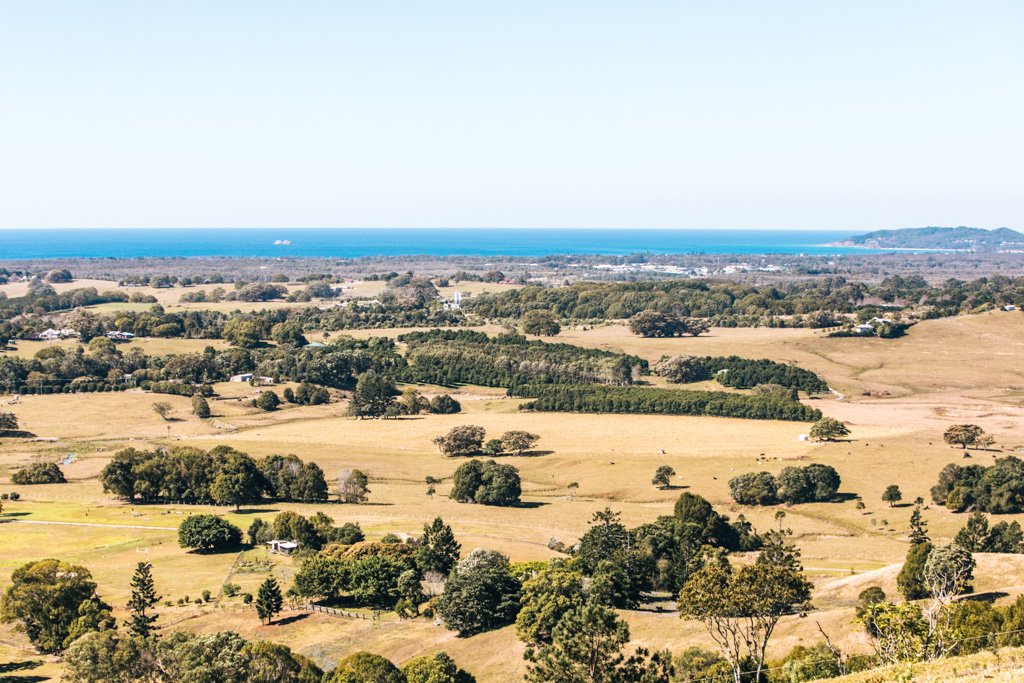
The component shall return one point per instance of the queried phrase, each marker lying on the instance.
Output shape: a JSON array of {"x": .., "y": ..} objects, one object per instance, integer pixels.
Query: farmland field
[{"x": 897, "y": 397}]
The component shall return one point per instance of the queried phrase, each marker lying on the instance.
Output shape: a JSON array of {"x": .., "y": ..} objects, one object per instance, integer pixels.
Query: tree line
[
  {"x": 222, "y": 475},
  {"x": 101, "y": 365},
  {"x": 809, "y": 303},
  {"x": 449, "y": 357},
  {"x": 740, "y": 373},
  {"x": 649, "y": 400}
]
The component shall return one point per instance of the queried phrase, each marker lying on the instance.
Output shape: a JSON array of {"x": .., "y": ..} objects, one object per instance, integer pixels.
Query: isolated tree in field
[
  {"x": 445, "y": 405},
  {"x": 373, "y": 396},
  {"x": 663, "y": 477},
  {"x": 541, "y": 323},
  {"x": 163, "y": 409},
  {"x": 892, "y": 494},
  {"x": 965, "y": 435},
  {"x": 780, "y": 515},
  {"x": 53, "y": 602},
  {"x": 143, "y": 598},
  {"x": 518, "y": 442},
  {"x": 267, "y": 401},
  {"x": 486, "y": 482},
  {"x": 39, "y": 473},
  {"x": 268, "y": 600},
  {"x": 481, "y": 594},
  {"x": 653, "y": 324},
  {"x": 8, "y": 422},
  {"x": 438, "y": 550},
  {"x": 208, "y": 532},
  {"x": 353, "y": 486},
  {"x": 740, "y": 608},
  {"x": 461, "y": 440},
  {"x": 200, "y": 407},
  {"x": 829, "y": 429}
]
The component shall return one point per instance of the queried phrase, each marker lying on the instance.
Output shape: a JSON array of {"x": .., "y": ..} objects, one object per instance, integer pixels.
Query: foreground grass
[{"x": 1003, "y": 666}]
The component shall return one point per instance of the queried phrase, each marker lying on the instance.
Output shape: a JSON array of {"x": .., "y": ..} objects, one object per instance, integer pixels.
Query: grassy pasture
[{"x": 941, "y": 372}]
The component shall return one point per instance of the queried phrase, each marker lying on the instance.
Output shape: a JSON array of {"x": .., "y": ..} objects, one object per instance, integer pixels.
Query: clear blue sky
[{"x": 774, "y": 114}]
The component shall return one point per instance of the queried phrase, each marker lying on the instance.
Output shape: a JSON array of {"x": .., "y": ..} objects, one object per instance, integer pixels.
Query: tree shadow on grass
[
  {"x": 524, "y": 454},
  {"x": 842, "y": 497},
  {"x": 528, "y": 505},
  {"x": 255, "y": 511},
  {"x": 987, "y": 596},
  {"x": 219, "y": 551},
  {"x": 284, "y": 621},
  {"x": 10, "y": 667}
]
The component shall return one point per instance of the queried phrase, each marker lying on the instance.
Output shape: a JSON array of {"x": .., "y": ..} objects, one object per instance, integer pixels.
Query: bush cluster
[
  {"x": 810, "y": 484},
  {"x": 998, "y": 488}
]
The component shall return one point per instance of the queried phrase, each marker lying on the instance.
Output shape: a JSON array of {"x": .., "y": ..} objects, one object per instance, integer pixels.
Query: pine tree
[
  {"x": 268, "y": 600},
  {"x": 143, "y": 598},
  {"x": 439, "y": 551},
  {"x": 918, "y": 527}
]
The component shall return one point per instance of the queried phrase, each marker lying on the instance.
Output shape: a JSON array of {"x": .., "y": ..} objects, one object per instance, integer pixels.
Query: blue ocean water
[{"x": 356, "y": 242}]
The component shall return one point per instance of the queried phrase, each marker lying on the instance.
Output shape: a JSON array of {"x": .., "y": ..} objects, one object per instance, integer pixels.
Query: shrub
[
  {"x": 267, "y": 401},
  {"x": 445, "y": 405}
]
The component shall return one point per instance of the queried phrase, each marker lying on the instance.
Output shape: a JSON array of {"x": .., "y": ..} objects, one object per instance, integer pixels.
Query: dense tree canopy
[
  {"x": 486, "y": 482},
  {"x": 208, "y": 532},
  {"x": 53, "y": 602},
  {"x": 481, "y": 594}
]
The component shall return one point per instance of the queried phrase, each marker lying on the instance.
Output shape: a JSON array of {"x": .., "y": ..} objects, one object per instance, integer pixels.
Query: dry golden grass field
[{"x": 897, "y": 397}]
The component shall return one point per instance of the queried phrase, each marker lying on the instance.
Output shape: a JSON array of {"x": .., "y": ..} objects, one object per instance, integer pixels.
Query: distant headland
[{"x": 961, "y": 238}]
